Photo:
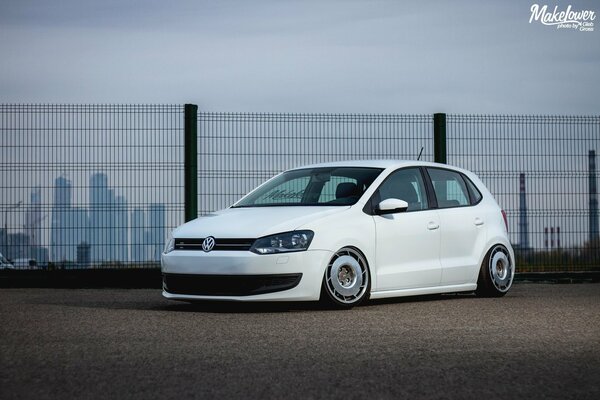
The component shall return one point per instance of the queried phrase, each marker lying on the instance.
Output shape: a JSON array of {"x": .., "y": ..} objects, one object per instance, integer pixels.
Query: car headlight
[
  {"x": 283, "y": 242},
  {"x": 169, "y": 244}
]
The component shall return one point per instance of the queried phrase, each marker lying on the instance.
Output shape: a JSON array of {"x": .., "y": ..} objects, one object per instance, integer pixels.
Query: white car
[
  {"x": 5, "y": 264},
  {"x": 25, "y": 263},
  {"x": 345, "y": 232}
]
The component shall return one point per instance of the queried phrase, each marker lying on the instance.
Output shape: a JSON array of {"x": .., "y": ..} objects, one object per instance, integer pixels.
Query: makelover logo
[
  {"x": 581, "y": 20},
  {"x": 208, "y": 244}
]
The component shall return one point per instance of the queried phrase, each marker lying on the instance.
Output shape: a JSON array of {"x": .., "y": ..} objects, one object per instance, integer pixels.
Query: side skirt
[{"x": 421, "y": 291}]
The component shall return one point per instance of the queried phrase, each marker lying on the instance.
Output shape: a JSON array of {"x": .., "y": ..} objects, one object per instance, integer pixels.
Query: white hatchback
[{"x": 344, "y": 232}]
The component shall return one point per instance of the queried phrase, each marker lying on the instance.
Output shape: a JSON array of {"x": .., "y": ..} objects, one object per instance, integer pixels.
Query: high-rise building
[
  {"x": 121, "y": 224},
  {"x": 61, "y": 208},
  {"x": 99, "y": 217},
  {"x": 110, "y": 243},
  {"x": 78, "y": 230},
  {"x": 156, "y": 229},
  {"x": 138, "y": 236},
  {"x": 83, "y": 254},
  {"x": 18, "y": 246},
  {"x": 108, "y": 222},
  {"x": 33, "y": 219}
]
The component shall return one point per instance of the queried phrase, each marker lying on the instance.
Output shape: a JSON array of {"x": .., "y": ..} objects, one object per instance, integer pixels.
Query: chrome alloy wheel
[
  {"x": 347, "y": 276},
  {"x": 501, "y": 268}
]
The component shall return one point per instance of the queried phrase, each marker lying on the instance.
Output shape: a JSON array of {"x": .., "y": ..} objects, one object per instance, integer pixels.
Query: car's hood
[{"x": 252, "y": 222}]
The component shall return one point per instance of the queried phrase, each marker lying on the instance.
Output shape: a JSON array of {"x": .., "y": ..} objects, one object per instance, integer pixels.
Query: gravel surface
[{"x": 540, "y": 341}]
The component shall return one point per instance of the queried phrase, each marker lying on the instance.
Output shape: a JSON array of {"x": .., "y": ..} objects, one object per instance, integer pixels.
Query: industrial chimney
[
  {"x": 593, "y": 199},
  {"x": 523, "y": 227}
]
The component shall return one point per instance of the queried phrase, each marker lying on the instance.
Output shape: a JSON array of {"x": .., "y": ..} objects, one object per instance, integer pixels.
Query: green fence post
[
  {"x": 190, "y": 161},
  {"x": 439, "y": 138}
]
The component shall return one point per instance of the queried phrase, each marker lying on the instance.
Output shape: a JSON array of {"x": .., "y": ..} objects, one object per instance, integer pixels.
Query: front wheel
[
  {"x": 346, "y": 282},
  {"x": 496, "y": 273}
]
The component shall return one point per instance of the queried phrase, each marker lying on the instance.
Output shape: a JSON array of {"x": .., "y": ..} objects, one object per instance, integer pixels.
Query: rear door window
[{"x": 450, "y": 188}]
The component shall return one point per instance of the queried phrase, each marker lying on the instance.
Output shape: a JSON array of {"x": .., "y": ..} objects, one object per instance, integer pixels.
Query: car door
[
  {"x": 462, "y": 227},
  {"x": 407, "y": 243}
]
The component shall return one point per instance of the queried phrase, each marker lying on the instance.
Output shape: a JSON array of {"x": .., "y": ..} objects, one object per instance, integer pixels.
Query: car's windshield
[{"x": 331, "y": 186}]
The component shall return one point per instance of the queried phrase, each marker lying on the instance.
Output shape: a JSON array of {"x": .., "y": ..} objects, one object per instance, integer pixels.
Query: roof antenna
[{"x": 421, "y": 152}]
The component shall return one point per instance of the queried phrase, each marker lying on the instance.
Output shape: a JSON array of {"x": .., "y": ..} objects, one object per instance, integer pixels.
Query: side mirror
[{"x": 391, "y": 206}]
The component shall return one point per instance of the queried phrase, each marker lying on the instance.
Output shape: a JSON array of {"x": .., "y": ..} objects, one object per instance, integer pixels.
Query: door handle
[
  {"x": 478, "y": 221},
  {"x": 432, "y": 226}
]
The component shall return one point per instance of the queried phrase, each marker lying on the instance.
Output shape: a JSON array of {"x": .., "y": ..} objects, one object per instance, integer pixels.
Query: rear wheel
[
  {"x": 346, "y": 282},
  {"x": 496, "y": 273}
]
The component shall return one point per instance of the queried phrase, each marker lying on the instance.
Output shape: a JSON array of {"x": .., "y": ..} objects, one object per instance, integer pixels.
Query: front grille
[
  {"x": 220, "y": 244},
  {"x": 228, "y": 285}
]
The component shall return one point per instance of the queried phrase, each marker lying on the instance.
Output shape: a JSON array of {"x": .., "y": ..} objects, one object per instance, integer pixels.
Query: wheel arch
[
  {"x": 496, "y": 240},
  {"x": 486, "y": 278},
  {"x": 329, "y": 287},
  {"x": 368, "y": 260}
]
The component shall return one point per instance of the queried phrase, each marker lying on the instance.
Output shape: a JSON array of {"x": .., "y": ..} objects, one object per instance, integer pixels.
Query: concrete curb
[
  {"x": 82, "y": 278},
  {"x": 559, "y": 277}
]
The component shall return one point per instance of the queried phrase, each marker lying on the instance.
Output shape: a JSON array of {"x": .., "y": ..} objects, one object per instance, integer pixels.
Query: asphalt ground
[{"x": 540, "y": 341}]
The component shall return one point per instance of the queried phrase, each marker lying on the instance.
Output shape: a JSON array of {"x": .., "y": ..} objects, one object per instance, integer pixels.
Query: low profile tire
[
  {"x": 346, "y": 282},
  {"x": 496, "y": 273}
]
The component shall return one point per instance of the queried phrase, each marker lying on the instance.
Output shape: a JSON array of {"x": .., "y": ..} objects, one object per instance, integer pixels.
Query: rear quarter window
[{"x": 476, "y": 195}]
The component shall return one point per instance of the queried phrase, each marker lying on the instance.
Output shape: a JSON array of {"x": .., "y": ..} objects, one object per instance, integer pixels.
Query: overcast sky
[{"x": 300, "y": 56}]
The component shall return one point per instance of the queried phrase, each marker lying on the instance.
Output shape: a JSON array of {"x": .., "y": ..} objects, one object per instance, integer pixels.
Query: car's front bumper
[{"x": 233, "y": 266}]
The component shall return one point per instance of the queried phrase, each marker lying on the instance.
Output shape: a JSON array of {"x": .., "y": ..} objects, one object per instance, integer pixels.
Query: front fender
[{"x": 349, "y": 229}]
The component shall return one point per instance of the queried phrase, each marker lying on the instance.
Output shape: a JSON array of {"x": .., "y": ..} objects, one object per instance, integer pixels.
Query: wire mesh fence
[
  {"x": 99, "y": 186},
  {"x": 542, "y": 171},
  {"x": 238, "y": 151},
  {"x": 89, "y": 186}
]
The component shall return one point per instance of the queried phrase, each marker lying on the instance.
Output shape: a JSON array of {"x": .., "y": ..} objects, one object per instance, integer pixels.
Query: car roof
[{"x": 378, "y": 164}]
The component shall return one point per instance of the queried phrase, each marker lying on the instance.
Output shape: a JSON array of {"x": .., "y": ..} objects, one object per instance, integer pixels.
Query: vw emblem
[{"x": 208, "y": 244}]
